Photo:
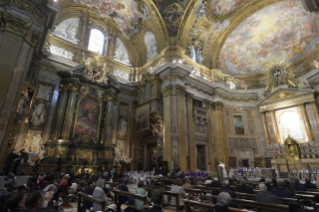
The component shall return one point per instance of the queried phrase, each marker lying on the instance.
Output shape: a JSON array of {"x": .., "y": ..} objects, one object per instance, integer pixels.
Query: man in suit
[
  {"x": 297, "y": 186},
  {"x": 244, "y": 188},
  {"x": 268, "y": 185},
  {"x": 157, "y": 198},
  {"x": 9, "y": 161},
  {"x": 151, "y": 186},
  {"x": 281, "y": 191},
  {"x": 215, "y": 183},
  {"x": 227, "y": 190},
  {"x": 264, "y": 197},
  {"x": 169, "y": 181},
  {"x": 89, "y": 191},
  {"x": 309, "y": 185}
]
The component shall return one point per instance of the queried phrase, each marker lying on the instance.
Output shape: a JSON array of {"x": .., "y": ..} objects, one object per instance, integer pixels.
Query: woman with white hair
[
  {"x": 100, "y": 194},
  {"x": 223, "y": 202},
  {"x": 73, "y": 189}
]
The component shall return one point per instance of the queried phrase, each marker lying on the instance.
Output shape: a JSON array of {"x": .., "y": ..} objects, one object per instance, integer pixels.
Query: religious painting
[
  {"x": 142, "y": 118},
  {"x": 124, "y": 12},
  {"x": 239, "y": 125},
  {"x": 290, "y": 123},
  {"x": 172, "y": 12},
  {"x": 88, "y": 118},
  {"x": 223, "y": 7},
  {"x": 283, "y": 30}
]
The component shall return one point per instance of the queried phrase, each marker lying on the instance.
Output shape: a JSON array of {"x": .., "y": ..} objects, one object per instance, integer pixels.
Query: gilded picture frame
[{"x": 77, "y": 115}]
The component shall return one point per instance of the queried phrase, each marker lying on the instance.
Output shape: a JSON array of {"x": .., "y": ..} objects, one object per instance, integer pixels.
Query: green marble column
[
  {"x": 60, "y": 114},
  {"x": 69, "y": 113}
]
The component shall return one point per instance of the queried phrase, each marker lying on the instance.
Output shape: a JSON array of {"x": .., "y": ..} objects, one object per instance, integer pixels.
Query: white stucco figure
[
  {"x": 37, "y": 143},
  {"x": 121, "y": 54},
  {"x": 122, "y": 128}
]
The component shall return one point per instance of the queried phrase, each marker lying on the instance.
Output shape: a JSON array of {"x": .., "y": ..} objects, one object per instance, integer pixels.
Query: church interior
[{"x": 143, "y": 84}]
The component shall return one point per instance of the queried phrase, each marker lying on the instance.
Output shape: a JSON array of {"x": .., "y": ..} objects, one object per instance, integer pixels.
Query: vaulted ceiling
[{"x": 237, "y": 37}]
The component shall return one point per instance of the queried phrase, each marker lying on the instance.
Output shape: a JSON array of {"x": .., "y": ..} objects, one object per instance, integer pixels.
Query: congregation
[{"x": 172, "y": 191}]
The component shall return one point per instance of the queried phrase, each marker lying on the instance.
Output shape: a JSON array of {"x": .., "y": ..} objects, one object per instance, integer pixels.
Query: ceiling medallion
[{"x": 278, "y": 72}]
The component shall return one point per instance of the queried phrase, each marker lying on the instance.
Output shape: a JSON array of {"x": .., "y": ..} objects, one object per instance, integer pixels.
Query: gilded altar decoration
[
  {"x": 88, "y": 118},
  {"x": 61, "y": 152},
  {"x": 142, "y": 118},
  {"x": 84, "y": 154},
  {"x": 278, "y": 72},
  {"x": 51, "y": 152},
  {"x": 292, "y": 147}
]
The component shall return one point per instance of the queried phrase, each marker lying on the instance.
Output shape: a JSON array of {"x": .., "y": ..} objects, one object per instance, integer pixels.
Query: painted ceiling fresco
[
  {"x": 172, "y": 12},
  {"x": 281, "y": 31},
  {"x": 124, "y": 12},
  {"x": 222, "y": 7}
]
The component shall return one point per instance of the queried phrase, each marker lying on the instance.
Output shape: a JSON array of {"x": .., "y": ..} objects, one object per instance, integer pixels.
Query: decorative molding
[{"x": 13, "y": 24}]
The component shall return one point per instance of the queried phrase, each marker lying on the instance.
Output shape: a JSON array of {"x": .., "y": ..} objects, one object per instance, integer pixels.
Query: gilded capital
[
  {"x": 167, "y": 90},
  {"x": 190, "y": 97},
  {"x": 110, "y": 98},
  {"x": 37, "y": 37},
  {"x": 218, "y": 106},
  {"x": 13, "y": 24},
  {"x": 180, "y": 89},
  {"x": 207, "y": 103}
]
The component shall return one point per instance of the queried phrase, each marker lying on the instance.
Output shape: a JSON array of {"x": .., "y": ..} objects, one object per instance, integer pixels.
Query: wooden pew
[
  {"x": 254, "y": 204},
  {"x": 189, "y": 204},
  {"x": 129, "y": 194},
  {"x": 311, "y": 198},
  {"x": 114, "y": 184},
  {"x": 91, "y": 199},
  {"x": 283, "y": 201},
  {"x": 167, "y": 204}
]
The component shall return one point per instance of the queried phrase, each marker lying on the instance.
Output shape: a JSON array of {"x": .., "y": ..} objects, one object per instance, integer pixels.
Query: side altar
[{"x": 84, "y": 124}]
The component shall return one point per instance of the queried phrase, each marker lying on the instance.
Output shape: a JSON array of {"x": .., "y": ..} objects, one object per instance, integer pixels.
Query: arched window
[{"x": 96, "y": 42}]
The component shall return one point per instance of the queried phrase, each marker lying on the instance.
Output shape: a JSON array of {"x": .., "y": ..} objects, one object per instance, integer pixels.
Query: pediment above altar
[{"x": 286, "y": 97}]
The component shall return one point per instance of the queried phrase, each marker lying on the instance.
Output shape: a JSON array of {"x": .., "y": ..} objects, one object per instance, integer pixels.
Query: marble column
[
  {"x": 316, "y": 112},
  {"x": 306, "y": 122},
  {"x": 220, "y": 133},
  {"x": 167, "y": 129},
  {"x": 60, "y": 113},
  {"x": 180, "y": 91},
  {"x": 263, "y": 117},
  {"x": 274, "y": 125},
  {"x": 191, "y": 140},
  {"x": 68, "y": 118},
  {"x": 211, "y": 152},
  {"x": 109, "y": 119}
]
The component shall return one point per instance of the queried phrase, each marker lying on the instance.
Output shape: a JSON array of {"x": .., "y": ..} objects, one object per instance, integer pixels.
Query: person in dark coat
[
  {"x": 9, "y": 161},
  {"x": 281, "y": 191},
  {"x": 151, "y": 186},
  {"x": 297, "y": 186},
  {"x": 157, "y": 199},
  {"x": 268, "y": 185},
  {"x": 169, "y": 181},
  {"x": 262, "y": 179},
  {"x": 89, "y": 191},
  {"x": 264, "y": 197},
  {"x": 215, "y": 184},
  {"x": 12, "y": 185},
  {"x": 105, "y": 176},
  {"x": 223, "y": 202},
  {"x": 309, "y": 185},
  {"x": 227, "y": 190},
  {"x": 244, "y": 188},
  {"x": 16, "y": 201},
  {"x": 123, "y": 187},
  {"x": 32, "y": 184}
]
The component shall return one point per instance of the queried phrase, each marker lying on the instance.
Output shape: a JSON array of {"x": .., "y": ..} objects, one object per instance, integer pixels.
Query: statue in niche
[
  {"x": 199, "y": 57},
  {"x": 122, "y": 128},
  {"x": 38, "y": 114}
]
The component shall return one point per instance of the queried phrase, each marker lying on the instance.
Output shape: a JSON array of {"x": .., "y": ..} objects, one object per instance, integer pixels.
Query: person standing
[{"x": 9, "y": 161}]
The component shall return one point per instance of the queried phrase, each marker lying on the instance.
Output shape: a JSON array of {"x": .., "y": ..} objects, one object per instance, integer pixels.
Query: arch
[
  {"x": 151, "y": 46},
  {"x": 97, "y": 41}
]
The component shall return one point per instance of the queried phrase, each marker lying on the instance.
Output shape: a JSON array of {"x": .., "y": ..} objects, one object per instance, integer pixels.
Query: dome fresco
[{"x": 283, "y": 30}]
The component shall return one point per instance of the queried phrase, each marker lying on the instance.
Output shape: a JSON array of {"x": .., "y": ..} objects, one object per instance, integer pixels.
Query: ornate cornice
[
  {"x": 218, "y": 106},
  {"x": 180, "y": 90},
  {"x": 31, "y": 7},
  {"x": 13, "y": 24}
]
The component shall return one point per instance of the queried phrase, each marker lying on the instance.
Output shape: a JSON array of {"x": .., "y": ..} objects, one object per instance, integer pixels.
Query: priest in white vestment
[{"x": 221, "y": 164}]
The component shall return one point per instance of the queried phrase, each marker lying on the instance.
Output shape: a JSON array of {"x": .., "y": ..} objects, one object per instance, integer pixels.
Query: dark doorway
[
  {"x": 201, "y": 157},
  {"x": 245, "y": 163}
]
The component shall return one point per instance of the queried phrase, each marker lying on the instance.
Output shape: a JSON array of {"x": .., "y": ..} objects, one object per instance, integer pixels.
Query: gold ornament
[{"x": 278, "y": 72}]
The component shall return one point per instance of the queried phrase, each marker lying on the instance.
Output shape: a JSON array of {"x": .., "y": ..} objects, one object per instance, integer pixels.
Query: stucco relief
[
  {"x": 121, "y": 74},
  {"x": 151, "y": 46},
  {"x": 44, "y": 92},
  {"x": 38, "y": 114},
  {"x": 121, "y": 54},
  {"x": 68, "y": 29},
  {"x": 61, "y": 52}
]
